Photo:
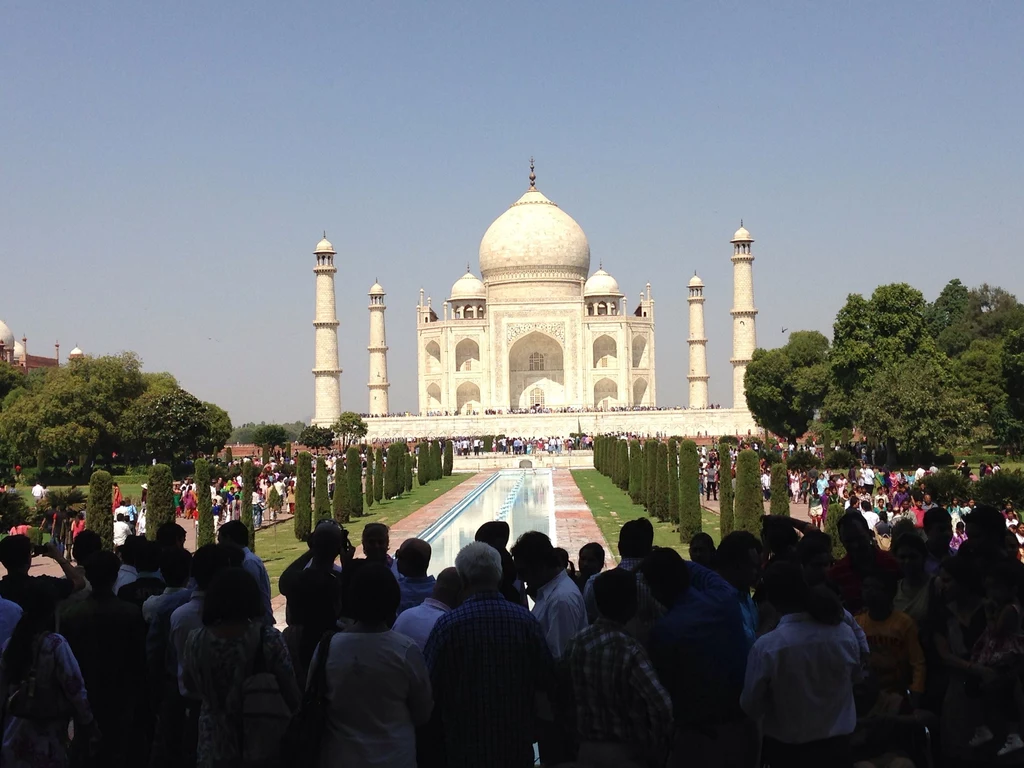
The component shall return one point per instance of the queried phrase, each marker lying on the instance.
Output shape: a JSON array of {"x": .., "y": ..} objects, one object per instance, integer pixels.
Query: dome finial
[
  {"x": 741, "y": 222},
  {"x": 325, "y": 234},
  {"x": 533, "y": 176},
  {"x": 467, "y": 267}
]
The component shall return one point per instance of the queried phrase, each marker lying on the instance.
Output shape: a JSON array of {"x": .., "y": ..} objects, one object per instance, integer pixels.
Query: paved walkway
[
  {"x": 799, "y": 511},
  {"x": 574, "y": 522}
]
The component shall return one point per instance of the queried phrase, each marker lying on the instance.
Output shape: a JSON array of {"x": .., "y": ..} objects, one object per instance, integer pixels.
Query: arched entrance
[
  {"x": 467, "y": 397},
  {"x": 536, "y": 375},
  {"x": 433, "y": 397},
  {"x": 467, "y": 355},
  {"x": 605, "y": 352},
  {"x": 606, "y": 394},
  {"x": 639, "y": 391}
]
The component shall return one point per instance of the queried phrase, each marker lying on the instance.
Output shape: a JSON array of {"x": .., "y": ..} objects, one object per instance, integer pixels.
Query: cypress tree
[
  {"x": 378, "y": 476},
  {"x": 622, "y": 464},
  {"x": 634, "y": 470},
  {"x": 779, "y": 503},
  {"x": 228, "y": 456},
  {"x": 204, "y": 503},
  {"x": 410, "y": 459},
  {"x": 651, "y": 475},
  {"x": 321, "y": 497},
  {"x": 160, "y": 499},
  {"x": 749, "y": 503},
  {"x": 368, "y": 482},
  {"x": 437, "y": 473},
  {"x": 421, "y": 465},
  {"x": 673, "y": 480},
  {"x": 303, "y": 492},
  {"x": 835, "y": 512},
  {"x": 341, "y": 505},
  {"x": 727, "y": 522},
  {"x": 99, "y": 508},
  {"x": 641, "y": 473},
  {"x": 248, "y": 486},
  {"x": 661, "y": 482},
  {"x": 390, "y": 473},
  {"x": 354, "y": 475},
  {"x": 266, "y": 454},
  {"x": 449, "y": 458},
  {"x": 689, "y": 491}
]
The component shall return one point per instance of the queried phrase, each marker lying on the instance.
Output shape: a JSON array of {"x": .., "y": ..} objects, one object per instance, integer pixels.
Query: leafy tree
[
  {"x": 661, "y": 482},
  {"x": 11, "y": 378},
  {"x": 635, "y": 470},
  {"x": 159, "y": 499},
  {"x": 689, "y": 491},
  {"x": 349, "y": 428},
  {"x": 318, "y": 438},
  {"x": 832, "y": 529},
  {"x": 786, "y": 386},
  {"x": 248, "y": 487},
  {"x": 269, "y": 436},
  {"x": 749, "y": 502},
  {"x": 169, "y": 426},
  {"x": 946, "y": 485},
  {"x": 1001, "y": 487},
  {"x": 354, "y": 473},
  {"x": 321, "y": 496},
  {"x": 99, "y": 513},
  {"x": 947, "y": 311},
  {"x": 274, "y": 500},
  {"x": 369, "y": 477},
  {"x": 651, "y": 475},
  {"x": 218, "y": 430},
  {"x": 341, "y": 503},
  {"x": 991, "y": 313},
  {"x": 448, "y": 458},
  {"x": 673, "y": 480},
  {"x": 204, "y": 504},
  {"x": 14, "y": 511},
  {"x": 779, "y": 503},
  {"x": 69, "y": 500},
  {"x": 303, "y": 520},
  {"x": 913, "y": 405},
  {"x": 622, "y": 465},
  {"x": 228, "y": 456},
  {"x": 1009, "y": 425},
  {"x": 801, "y": 461},
  {"x": 378, "y": 476},
  {"x": 727, "y": 523}
]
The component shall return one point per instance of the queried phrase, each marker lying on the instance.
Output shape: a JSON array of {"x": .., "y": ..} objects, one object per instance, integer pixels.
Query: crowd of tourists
[{"x": 763, "y": 651}]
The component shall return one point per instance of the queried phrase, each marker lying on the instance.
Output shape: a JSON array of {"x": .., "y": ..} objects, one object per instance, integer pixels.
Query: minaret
[
  {"x": 378, "y": 383},
  {"x": 744, "y": 336},
  {"x": 326, "y": 370},
  {"x": 698, "y": 346}
]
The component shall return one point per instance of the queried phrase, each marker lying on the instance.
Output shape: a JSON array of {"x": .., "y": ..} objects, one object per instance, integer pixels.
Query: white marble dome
[
  {"x": 6, "y": 336},
  {"x": 696, "y": 282},
  {"x": 469, "y": 286},
  {"x": 742, "y": 236},
  {"x": 76, "y": 353},
  {"x": 324, "y": 246},
  {"x": 601, "y": 284},
  {"x": 376, "y": 289},
  {"x": 534, "y": 239},
  {"x": 19, "y": 351}
]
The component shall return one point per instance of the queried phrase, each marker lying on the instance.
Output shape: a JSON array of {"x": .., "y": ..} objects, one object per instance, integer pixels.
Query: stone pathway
[
  {"x": 799, "y": 511},
  {"x": 428, "y": 514},
  {"x": 574, "y": 522}
]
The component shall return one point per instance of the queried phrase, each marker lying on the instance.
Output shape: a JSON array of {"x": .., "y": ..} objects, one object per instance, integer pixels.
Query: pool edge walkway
[
  {"x": 574, "y": 522},
  {"x": 428, "y": 514}
]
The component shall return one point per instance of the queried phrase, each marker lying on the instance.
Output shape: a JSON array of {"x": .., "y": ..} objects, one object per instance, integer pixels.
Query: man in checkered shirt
[{"x": 488, "y": 660}]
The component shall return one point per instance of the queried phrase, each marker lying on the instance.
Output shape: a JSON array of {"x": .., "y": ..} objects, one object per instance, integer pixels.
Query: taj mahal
[{"x": 537, "y": 345}]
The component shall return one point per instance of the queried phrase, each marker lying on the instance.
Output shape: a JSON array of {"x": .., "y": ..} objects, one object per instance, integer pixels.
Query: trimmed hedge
[
  {"x": 321, "y": 494},
  {"x": 779, "y": 503},
  {"x": 160, "y": 499},
  {"x": 303, "y": 520},
  {"x": 341, "y": 505},
  {"x": 635, "y": 470},
  {"x": 727, "y": 520},
  {"x": 248, "y": 486},
  {"x": 448, "y": 459},
  {"x": 204, "y": 504},
  {"x": 354, "y": 475},
  {"x": 99, "y": 508},
  {"x": 651, "y": 476},
  {"x": 689, "y": 491},
  {"x": 661, "y": 482},
  {"x": 749, "y": 503},
  {"x": 673, "y": 480},
  {"x": 368, "y": 482},
  {"x": 378, "y": 476}
]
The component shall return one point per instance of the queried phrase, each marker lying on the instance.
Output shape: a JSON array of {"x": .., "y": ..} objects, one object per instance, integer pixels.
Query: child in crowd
[
  {"x": 959, "y": 537},
  {"x": 896, "y": 661},
  {"x": 1000, "y": 650}
]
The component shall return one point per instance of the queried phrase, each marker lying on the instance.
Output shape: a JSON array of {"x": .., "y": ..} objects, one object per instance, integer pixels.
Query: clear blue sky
[{"x": 168, "y": 167}]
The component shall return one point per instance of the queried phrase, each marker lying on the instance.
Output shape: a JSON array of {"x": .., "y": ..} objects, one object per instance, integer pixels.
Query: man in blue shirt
[
  {"x": 236, "y": 534},
  {"x": 413, "y": 559},
  {"x": 699, "y": 650}
]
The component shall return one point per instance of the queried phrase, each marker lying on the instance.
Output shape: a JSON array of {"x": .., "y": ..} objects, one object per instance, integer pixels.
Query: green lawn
[
  {"x": 612, "y": 507},
  {"x": 131, "y": 490},
  {"x": 278, "y": 546}
]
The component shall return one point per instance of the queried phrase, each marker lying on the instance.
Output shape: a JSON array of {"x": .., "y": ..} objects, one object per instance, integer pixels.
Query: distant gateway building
[{"x": 537, "y": 341}]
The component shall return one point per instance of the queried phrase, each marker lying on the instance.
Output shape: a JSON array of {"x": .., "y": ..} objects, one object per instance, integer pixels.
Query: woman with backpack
[
  {"x": 241, "y": 670},
  {"x": 42, "y": 689}
]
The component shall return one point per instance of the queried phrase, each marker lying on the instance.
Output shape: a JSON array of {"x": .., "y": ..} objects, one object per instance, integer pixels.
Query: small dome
[
  {"x": 6, "y": 336},
  {"x": 76, "y": 353},
  {"x": 324, "y": 246},
  {"x": 376, "y": 289},
  {"x": 696, "y": 282},
  {"x": 534, "y": 239},
  {"x": 601, "y": 284},
  {"x": 468, "y": 286},
  {"x": 19, "y": 351},
  {"x": 741, "y": 235}
]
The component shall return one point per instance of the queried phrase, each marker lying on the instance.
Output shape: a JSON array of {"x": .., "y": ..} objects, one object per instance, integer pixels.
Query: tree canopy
[
  {"x": 786, "y": 386},
  {"x": 349, "y": 428}
]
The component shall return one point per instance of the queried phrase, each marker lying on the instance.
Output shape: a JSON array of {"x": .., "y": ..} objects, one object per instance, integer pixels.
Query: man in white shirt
[
  {"x": 38, "y": 491},
  {"x": 416, "y": 623},
  {"x": 869, "y": 514},
  {"x": 558, "y": 604},
  {"x": 121, "y": 530}
]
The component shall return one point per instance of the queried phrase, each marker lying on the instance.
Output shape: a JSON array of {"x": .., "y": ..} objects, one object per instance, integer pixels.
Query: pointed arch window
[{"x": 537, "y": 361}]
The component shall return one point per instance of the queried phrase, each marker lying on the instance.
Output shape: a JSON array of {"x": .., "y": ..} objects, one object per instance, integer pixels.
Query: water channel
[{"x": 524, "y": 498}]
